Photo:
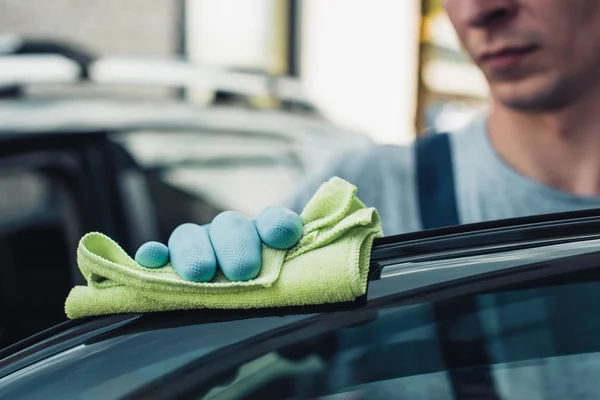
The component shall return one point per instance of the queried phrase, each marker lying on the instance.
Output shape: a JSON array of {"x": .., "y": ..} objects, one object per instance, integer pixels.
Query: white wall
[
  {"x": 240, "y": 33},
  {"x": 359, "y": 57},
  {"x": 360, "y": 60}
]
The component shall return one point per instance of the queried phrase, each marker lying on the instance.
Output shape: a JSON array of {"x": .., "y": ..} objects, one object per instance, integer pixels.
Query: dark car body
[{"x": 498, "y": 310}]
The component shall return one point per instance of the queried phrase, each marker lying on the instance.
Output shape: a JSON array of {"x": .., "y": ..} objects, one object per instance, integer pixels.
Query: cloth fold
[{"x": 329, "y": 264}]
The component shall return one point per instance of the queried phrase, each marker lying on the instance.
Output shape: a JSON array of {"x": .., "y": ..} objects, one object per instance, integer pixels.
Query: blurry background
[
  {"x": 360, "y": 62},
  {"x": 130, "y": 117}
]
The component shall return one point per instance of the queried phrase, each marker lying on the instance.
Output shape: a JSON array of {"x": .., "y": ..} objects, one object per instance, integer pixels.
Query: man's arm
[{"x": 347, "y": 166}]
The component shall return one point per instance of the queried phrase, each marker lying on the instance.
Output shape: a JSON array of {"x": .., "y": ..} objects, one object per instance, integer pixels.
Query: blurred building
[
  {"x": 451, "y": 88},
  {"x": 148, "y": 28},
  {"x": 388, "y": 68},
  {"x": 357, "y": 58}
]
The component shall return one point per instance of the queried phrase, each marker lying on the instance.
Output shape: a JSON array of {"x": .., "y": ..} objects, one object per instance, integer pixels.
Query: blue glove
[{"x": 232, "y": 242}]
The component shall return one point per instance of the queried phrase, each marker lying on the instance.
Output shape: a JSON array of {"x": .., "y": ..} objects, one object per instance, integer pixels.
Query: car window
[
  {"x": 110, "y": 367},
  {"x": 529, "y": 343},
  {"x": 37, "y": 226},
  {"x": 532, "y": 339},
  {"x": 243, "y": 171}
]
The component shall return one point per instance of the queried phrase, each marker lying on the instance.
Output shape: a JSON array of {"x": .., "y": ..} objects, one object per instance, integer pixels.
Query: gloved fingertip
[
  {"x": 152, "y": 255},
  {"x": 192, "y": 254},
  {"x": 279, "y": 227},
  {"x": 237, "y": 246}
]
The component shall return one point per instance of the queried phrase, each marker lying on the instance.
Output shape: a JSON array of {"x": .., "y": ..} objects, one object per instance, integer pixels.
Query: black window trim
[{"x": 485, "y": 238}]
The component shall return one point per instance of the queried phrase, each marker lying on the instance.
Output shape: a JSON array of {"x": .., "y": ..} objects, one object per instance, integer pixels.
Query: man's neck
[{"x": 560, "y": 149}]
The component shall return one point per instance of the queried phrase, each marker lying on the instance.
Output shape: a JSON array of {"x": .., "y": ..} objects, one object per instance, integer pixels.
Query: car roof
[
  {"x": 409, "y": 266},
  {"x": 72, "y": 113},
  {"x": 155, "y": 121}
]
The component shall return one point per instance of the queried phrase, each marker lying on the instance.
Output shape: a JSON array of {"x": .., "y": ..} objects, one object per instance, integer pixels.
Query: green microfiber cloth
[{"x": 329, "y": 264}]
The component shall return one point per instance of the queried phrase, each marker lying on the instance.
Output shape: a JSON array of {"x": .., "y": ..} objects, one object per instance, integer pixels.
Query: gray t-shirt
[{"x": 487, "y": 188}]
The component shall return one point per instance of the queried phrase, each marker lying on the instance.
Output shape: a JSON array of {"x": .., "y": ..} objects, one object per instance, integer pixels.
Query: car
[
  {"x": 78, "y": 154},
  {"x": 231, "y": 120},
  {"x": 493, "y": 310}
]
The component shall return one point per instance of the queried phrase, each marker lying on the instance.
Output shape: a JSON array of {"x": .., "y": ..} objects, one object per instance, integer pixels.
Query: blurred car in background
[{"x": 115, "y": 145}]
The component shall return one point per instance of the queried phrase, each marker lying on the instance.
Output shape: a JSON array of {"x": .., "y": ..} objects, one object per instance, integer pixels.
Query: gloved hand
[{"x": 231, "y": 242}]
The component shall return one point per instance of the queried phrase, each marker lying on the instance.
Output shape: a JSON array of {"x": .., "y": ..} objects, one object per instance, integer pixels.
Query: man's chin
[{"x": 532, "y": 96}]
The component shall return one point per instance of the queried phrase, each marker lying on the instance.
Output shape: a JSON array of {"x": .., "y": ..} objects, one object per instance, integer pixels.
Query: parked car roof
[{"x": 199, "y": 148}]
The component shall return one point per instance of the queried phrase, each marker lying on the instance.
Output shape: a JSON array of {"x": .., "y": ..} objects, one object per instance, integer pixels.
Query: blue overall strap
[
  {"x": 435, "y": 181},
  {"x": 437, "y": 207}
]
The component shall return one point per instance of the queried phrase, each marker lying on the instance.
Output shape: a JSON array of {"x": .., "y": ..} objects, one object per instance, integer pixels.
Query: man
[{"x": 539, "y": 149}]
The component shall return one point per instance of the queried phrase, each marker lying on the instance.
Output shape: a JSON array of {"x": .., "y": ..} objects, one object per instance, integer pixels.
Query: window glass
[
  {"x": 520, "y": 344},
  {"x": 220, "y": 169},
  {"x": 36, "y": 224},
  {"x": 110, "y": 367}
]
